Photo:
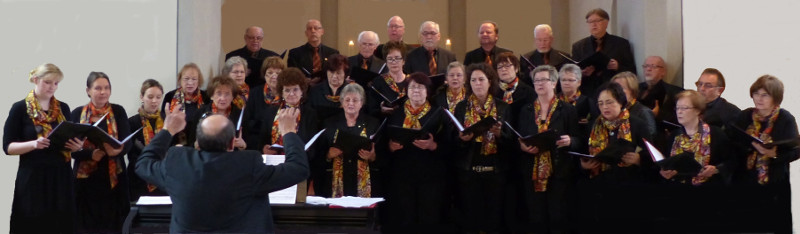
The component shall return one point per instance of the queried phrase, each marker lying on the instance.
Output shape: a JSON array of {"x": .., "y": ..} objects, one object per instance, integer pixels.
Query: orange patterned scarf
[
  {"x": 756, "y": 160},
  {"x": 393, "y": 85},
  {"x": 364, "y": 187},
  {"x": 42, "y": 118},
  {"x": 571, "y": 99},
  {"x": 88, "y": 166},
  {"x": 508, "y": 90},
  {"x": 148, "y": 131},
  {"x": 598, "y": 139},
  {"x": 413, "y": 115},
  {"x": 454, "y": 98},
  {"x": 542, "y": 165},
  {"x": 181, "y": 98},
  {"x": 269, "y": 98},
  {"x": 699, "y": 143},
  {"x": 477, "y": 111},
  {"x": 214, "y": 110},
  {"x": 277, "y": 138},
  {"x": 241, "y": 99}
]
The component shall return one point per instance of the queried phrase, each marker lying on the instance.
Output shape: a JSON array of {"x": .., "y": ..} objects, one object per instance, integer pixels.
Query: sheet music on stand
[
  {"x": 284, "y": 196},
  {"x": 154, "y": 200}
]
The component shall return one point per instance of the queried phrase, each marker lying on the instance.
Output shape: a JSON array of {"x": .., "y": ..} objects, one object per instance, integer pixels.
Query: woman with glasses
[
  {"x": 223, "y": 89},
  {"x": 762, "y": 168},
  {"x": 291, "y": 86},
  {"x": 236, "y": 69},
  {"x": 512, "y": 90},
  {"x": 261, "y": 99},
  {"x": 392, "y": 85},
  {"x": 187, "y": 96},
  {"x": 546, "y": 177}
]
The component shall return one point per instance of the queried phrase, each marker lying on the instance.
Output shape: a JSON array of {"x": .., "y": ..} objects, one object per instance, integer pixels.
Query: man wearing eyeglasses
[
  {"x": 365, "y": 59},
  {"x": 310, "y": 57},
  {"x": 254, "y": 54},
  {"x": 657, "y": 94},
  {"x": 487, "y": 36},
  {"x": 430, "y": 58},
  {"x": 544, "y": 54},
  {"x": 396, "y": 29},
  {"x": 618, "y": 49},
  {"x": 719, "y": 112}
]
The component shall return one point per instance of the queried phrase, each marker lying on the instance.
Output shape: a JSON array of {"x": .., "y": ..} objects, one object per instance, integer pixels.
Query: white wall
[
  {"x": 128, "y": 40},
  {"x": 745, "y": 43}
]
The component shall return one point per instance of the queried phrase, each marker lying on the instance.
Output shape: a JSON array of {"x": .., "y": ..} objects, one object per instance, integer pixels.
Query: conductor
[{"x": 216, "y": 189}]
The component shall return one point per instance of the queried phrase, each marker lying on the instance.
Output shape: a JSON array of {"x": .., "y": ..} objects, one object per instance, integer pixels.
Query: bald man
[
  {"x": 213, "y": 188},
  {"x": 544, "y": 54},
  {"x": 366, "y": 59},
  {"x": 396, "y": 29},
  {"x": 254, "y": 54},
  {"x": 488, "y": 35},
  {"x": 657, "y": 94},
  {"x": 311, "y": 56}
]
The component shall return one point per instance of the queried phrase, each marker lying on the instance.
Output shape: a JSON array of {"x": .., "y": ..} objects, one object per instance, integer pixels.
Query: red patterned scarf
[
  {"x": 756, "y": 160},
  {"x": 364, "y": 187},
  {"x": 277, "y": 138},
  {"x": 269, "y": 98},
  {"x": 148, "y": 131},
  {"x": 244, "y": 93},
  {"x": 598, "y": 139},
  {"x": 413, "y": 115},
  {"x": 508, "y": 90},
  {"x": 477, "y": 111},
  {"x": 88, "y": 166},
  {"x": 699, "y": 143},
  {"x": 542, "y": 165},
  {"x": 181, "y": 98}
]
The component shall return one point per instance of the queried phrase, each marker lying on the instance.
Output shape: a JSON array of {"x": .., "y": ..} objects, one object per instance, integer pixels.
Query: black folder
[
  {"x": 387, "y": 102},
  {"x": 350, "y": 143},
  {"x": 545, "y": 141},
  {"x": 528, "y": 61},
  {"x": 683, "y": 163},
  {"x": 325, "y": 112},
  {"x": 476, "y": 129},
  {"x": 437, "y": 81},
  {"x": 68, "y": 130},
  {"x": 613, "y": 153},
  {"x": 280, "y": 149},
  {"x": 405, "y": 136},
  {"x": 320, "y": 73},
  {"x": 668, "y": 126},
  {"x": 787, "y": 143},
  {"x": 283, "y": 55},
  {"x": 599, "y": 60},
  {"x": 362, "y": 76}
]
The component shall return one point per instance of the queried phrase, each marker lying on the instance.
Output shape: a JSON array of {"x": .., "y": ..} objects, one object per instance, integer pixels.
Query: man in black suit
[
  {"x": 719, "y": 112},
  {"x": 216, "y": 189},
  {"x": 430, "y": 58},
  {"x": 254, "y": 54},
  {"x": 396, "y": 29},
  {"x": 544, "y": 54},
  {"x": 488, "y": 34},
  {"x": 656, "y": 94},
  {"x": 311, "y": 56},
  {"x": 367, "y": 41},
  {"x": 616, "y": 48}
]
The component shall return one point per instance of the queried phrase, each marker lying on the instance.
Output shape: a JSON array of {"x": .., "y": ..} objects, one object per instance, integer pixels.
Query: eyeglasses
[
  {"x": 539, "y": 81},
  {"x": 394, "y": 26},
  {"x": 430, "y": 33},
  {"x": 646, "y": 66},
  {"x": 705, "y": 85},
  {"x": 594, "y": 21},
  {"x": 504, "y": 66},
  {"x": 250, "y": 38},
  {"x": 417, "y": 87},
  {"x": 682, "y": 108},
  {"x": 569, "y": 80},
  {"x": 394, "y": 59}
]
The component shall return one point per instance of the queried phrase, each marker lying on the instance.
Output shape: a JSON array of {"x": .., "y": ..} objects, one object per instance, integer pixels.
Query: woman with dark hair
[
  {"x": 481, "y": 160},
  {"x": 512, "y": 90},
  {"x": 44, "y": 199},
  {"x": 417, "y": 198},
  {"x": 766, "y": 169},
  {"x": 102, "y": 184},
  {"x": 188, "y": 96},
  {"x": 150, "y": 119},
  {"x": 344, "y": 169},
  {"x": 223, "y": 89},
  {"x": 291, "y": 86},
  {"x": 392, "y": 85},
  {"x": 547, "y": 176},
  {"x": 325, "y": 96},
  {"x": 601, "y": 183}
]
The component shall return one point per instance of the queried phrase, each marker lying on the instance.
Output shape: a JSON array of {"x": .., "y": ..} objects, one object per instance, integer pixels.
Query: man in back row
[
  {"x": 216, "y": 189},
  {"x": 310, "y": 57},
  {"x": 430, "y": 58},
  {"x": 488, "y": 34},
  {"x": 254, "y": 54}
]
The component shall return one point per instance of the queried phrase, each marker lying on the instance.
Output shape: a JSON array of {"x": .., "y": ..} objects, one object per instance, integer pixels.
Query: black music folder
[
  {"x": 787, "y": 143},
  {"x": 68, "y": 130},
  {"x": 599, "y": 60},
  {"x": 437, "y": 81},
  {"x": 545, "y": 141},
  {"x": 476, "y": 129},
  {"x": 279, "y": 148},
  {"x": 362, "y": 76},
  {"x": 350, "y": 143},
  {"x": 405, "y": 136},
  {"x": 683, "y": 163},
  {"x": 613, "y": 152},
  {"x": 387, "y": 102}
]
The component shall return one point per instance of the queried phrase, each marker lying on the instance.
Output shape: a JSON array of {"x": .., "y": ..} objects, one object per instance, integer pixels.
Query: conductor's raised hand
[
  {"x": 175, "y": 120},
  {"x": 287, "y": 120}
]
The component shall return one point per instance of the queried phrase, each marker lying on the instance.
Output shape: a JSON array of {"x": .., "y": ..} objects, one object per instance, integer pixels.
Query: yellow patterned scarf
[
  {"x": 413, "y": 115},
  {"x": 454, "y": 98},
  {"x": 598, "y": 139},
  {"x": 277, "y": 138},
  {"x": 181, "y": 98},
  {"x": 215, "y": 110},
  {"x": 364, "y": 187},
  {"x": 148, "y": 131},
  {"x": 572, "y": 100},
  {"x": 756, "y": 160},
  {"x": 699, "y": 143},
  {"x": 241, "y": 99},
  {"x": 393, "y": 85},
  {"x": 269, "y": 98},
  {"x": 477, "y": 111},
  {"x": 542, "y": 165},
  {"x": 508, "y": 90},
  {"x": 43, "y": 119},
  {"x": 88, "y": 166}
]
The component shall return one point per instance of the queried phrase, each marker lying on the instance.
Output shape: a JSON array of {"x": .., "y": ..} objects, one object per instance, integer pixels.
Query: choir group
[{"x": 552, "y": 142}]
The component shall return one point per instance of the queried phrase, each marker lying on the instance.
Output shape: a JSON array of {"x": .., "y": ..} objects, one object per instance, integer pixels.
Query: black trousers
[{"x": 481, "y": 200}]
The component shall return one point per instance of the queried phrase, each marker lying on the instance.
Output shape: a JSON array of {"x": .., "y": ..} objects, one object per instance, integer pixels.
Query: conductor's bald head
[{"x": 215, "y": 133}]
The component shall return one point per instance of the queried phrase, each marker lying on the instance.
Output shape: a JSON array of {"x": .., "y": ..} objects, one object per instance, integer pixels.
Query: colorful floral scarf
[
  {"x": 148, "y": 131},
  {"x": 88, "y": 166},
  {"x": 699, "y": 143},
  {"x": 756, "y": 160},
  {"x": 598, "y": 139},
  {"x": 571, "y": 99},
  {"x": 508, "y": 90},
  {"x": 454, "y": 98},
  {"x": 181, "y": 98},
  {"x": 477, "y": 111},
  {"x": 413, "y": 115},
  {"x": 277, "y": 138},
  {"x": 364, "y": 187},
  {"x": 269, "y": 98},
  {"x": 244, "y": 93},
  {"x": 43, "y": 119},
  {"x": 393, "y": 85},
  {"x": 542, "y": 165}
]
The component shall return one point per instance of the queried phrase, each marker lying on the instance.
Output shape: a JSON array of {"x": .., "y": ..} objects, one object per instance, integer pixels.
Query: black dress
[
  {"x": 324, "y": 186},
  {"x": 44, "y": 198},
  {"x": 373, "y": 102},
  {"x": 522, "y": 96},
  {"x": 547, "y": 211},
  {"x": 190, "y": 109},
  {"x": 100, "y": 207},
  {"x": 138, "y": 187},
  {"x": 256, "y": 110},
  {"x": 318, "y": 98},
  {"x": 416, "y": 183},
  {"x": 482, "y": 179},
  {"x": 306, "y": 128}
]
